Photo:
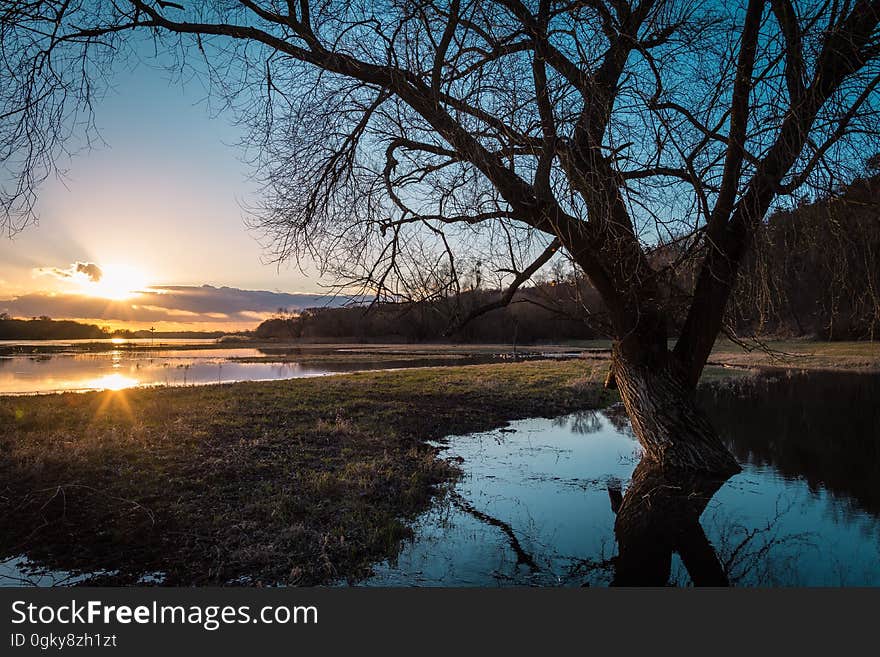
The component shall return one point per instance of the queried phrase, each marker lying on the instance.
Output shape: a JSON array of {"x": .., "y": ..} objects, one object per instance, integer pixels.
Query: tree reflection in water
[
  {"x": 533, "y": 507},
  {"x": 660, "y": 515}
]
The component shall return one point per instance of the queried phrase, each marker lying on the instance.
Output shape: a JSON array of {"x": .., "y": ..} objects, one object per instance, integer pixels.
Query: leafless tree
[{"x": 392, "y": 134}]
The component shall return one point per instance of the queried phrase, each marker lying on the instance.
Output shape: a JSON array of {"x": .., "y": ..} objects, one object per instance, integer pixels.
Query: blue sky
[{"x": 163, "y": 197}]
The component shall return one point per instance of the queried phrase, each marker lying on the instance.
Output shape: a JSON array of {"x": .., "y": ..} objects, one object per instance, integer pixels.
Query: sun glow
[
  {"x": 118, "y": 282},
  {"x": 112, "y": 382}
]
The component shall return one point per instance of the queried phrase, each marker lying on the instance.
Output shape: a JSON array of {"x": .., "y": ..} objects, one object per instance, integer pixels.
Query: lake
[{"x": 540, "y": 501}]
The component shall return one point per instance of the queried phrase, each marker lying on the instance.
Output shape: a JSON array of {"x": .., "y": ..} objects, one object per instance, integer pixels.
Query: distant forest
[
  {"x": 45, "y": 328},
  {"x": 809, "y": 276},
  {"x": 802, "y": 279}
]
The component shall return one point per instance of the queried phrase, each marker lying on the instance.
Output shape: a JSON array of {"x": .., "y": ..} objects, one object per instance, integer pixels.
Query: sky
[{"x": 157, "y": 209}]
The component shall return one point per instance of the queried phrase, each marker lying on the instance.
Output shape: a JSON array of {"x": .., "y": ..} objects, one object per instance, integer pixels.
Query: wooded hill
[{"x": 816, "y": 269}]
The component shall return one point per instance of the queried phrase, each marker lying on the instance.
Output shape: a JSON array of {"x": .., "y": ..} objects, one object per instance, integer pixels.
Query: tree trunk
[{"x": 673, "y": 431}]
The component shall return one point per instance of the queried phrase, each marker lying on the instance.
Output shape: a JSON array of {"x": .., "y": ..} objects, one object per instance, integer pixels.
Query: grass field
[{"x": 801, "y": 354}]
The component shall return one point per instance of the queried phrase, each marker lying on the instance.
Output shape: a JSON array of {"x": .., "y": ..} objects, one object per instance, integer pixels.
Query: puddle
[{"x": 536, "y": 503}]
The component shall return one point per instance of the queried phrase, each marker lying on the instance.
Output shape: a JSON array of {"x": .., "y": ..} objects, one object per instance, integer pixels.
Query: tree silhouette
[{"x": 403, "y": 135}]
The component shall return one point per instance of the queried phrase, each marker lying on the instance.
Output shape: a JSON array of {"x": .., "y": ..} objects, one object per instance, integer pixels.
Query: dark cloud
[
  {"x": 230, "y": 300},
  {"x": 180, "y": 304},
  {"x": 90, "y": 269}
]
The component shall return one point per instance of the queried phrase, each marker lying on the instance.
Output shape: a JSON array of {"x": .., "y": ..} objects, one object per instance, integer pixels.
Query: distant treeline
[
  {"x": 814, "y": 272},
  {"x": 122, "y": 333},
  {"x": 45, "y": 328},
  {"x": 543, "y": 320}
]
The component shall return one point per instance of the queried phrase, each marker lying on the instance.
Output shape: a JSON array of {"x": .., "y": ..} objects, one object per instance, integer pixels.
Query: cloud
[
  {"x": 88, "y": 269},
  {"x": 179, "y": 304},
  {"x": 91, "y": 270},
  {"x": 207, "y": 299}
]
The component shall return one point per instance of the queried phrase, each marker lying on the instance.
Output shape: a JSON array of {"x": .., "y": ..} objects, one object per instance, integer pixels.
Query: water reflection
[
  {"x": 660, "y": 516},
  {"x": 566, "y": 501},
  {"x": 820, "y": 427},
  {"x": 116, "y": 368}
]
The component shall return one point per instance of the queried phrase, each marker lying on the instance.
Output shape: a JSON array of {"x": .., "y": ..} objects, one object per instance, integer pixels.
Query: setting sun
[{"x": 118, "y": 282}]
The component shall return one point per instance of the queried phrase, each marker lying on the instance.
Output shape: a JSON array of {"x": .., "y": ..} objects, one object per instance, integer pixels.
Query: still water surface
[
  {"x": 115, "y": 369},
  {"x": 536, "y": 504},
  {"x": 118, "y": 369}
]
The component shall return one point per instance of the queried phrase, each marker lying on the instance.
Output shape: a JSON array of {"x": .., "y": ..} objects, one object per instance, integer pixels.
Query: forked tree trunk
[{"x": 672, "y": 430}]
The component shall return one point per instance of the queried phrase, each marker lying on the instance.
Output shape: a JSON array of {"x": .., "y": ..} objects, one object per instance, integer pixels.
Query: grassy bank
[
  {"x": 296, "y": 482},
  {"x": 804, "y": 354}
]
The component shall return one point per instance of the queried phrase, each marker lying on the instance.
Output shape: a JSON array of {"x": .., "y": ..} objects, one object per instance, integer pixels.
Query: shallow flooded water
[
  {"x": 553, "y": 501},
  {"x": 115, "y": 369}
]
